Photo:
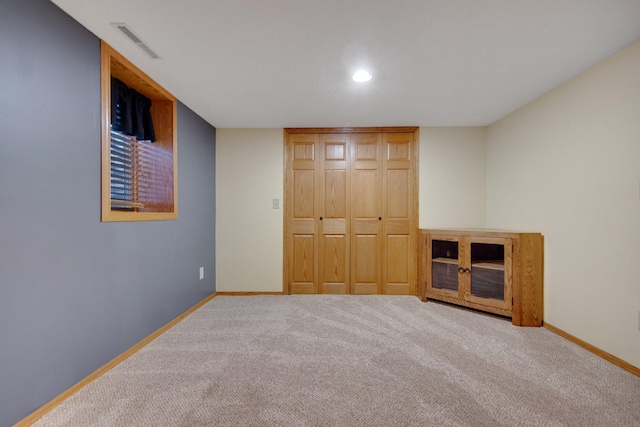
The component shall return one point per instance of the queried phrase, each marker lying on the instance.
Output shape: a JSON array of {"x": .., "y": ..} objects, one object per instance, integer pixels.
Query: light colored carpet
[{"x": 324, "y": 360}]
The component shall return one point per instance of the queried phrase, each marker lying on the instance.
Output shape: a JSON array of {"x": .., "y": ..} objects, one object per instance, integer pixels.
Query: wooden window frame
[{"x": 164, "y": 113}]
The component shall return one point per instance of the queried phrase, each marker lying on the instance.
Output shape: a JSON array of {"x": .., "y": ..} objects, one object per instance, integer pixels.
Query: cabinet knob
[
  {"x": 379, "y": 218},
  {"x": 320, "y": 218}
]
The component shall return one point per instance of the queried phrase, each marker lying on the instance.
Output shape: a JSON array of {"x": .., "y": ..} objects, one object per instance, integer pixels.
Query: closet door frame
[{"x": 289, "y": 224}]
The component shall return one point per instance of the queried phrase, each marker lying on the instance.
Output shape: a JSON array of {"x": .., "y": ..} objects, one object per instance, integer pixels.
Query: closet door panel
[
  {"x": 335, "y": 194},
  {"x": 303, "y": 194},
  {"x": 334, "y": 213},
  {"x": 365, "y": 269},
  {"x": 398, "y": 194},
  {"x": 366, "y": 202},
  {"x": 301, "y": 238},
  {"x": 304, "y": 229},
  {"x": 399, "y": 253},
  {"x": 350, "y": 211},
  {"x": 303, "y": 281},
  {"x": 367, "y": 226},
  {"x": 398, "y": 226},
  {"x": 333, "y": 267},
  {"x": 366, "y": 154},
  {"x": 366, "y": 195},
  {"x": 399, "y": 149},
  {"x": 303, "y": 150}
]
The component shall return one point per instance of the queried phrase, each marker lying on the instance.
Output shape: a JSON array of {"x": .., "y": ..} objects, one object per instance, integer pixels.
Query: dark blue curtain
[{"x": 131, "y": 112}]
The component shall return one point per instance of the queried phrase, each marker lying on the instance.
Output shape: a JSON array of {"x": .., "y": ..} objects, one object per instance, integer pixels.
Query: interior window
[{"x": 139, "y": 146}]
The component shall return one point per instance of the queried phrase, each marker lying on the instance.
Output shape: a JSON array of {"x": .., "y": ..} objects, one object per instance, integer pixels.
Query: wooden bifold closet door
[{"x": 350, "y": 211}]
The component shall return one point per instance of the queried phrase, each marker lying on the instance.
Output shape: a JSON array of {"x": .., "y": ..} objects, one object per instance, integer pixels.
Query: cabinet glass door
[
  {"x": 444, "y": 265},
  {"x": 487, "y": 271},
  {"x": 490, "y": 273}
]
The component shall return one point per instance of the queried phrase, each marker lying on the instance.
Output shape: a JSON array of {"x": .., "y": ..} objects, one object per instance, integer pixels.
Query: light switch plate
[{"x": 276, "y": 203}]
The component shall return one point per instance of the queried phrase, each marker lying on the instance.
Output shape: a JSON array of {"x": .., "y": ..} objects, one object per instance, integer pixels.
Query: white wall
[
  {"x": 249, "y": 175},
  {"x": 568, "y": 165},
  {"x": 452, "y": 177}
]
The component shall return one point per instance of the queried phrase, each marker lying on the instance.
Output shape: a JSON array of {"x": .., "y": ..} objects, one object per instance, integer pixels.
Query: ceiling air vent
[{"x": 128, "y": 33}]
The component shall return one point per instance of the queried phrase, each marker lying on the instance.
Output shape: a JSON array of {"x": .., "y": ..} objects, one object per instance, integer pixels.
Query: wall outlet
[
  {"x": 276, "y": 203},
  {"x": 201, "y": 273}
]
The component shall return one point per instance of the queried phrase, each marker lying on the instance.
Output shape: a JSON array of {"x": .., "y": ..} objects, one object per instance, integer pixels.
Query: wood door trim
[
  {"x": 286, "y": 289},
  {"x": 415, "y": 163},
  {"x": 414, "y": 177},
  {"x": 390, "y": 129}
]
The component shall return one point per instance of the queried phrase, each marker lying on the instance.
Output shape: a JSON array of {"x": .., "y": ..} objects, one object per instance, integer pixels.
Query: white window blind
[
  {"x": 123, "y": 185},
  {"x": 141, "y": 174}
]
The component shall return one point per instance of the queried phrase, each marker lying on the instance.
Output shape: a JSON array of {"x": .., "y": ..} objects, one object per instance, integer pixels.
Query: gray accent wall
[{"x": 75, "y": 292}]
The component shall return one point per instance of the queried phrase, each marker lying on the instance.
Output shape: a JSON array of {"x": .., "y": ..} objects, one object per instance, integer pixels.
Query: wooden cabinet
[
  {"x": 490, "y": 270},
  {"x": 351, "y": 211}
]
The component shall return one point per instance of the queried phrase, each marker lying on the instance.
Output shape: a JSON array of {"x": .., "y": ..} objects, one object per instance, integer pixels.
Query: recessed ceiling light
[{"x": 362, "y": 76}]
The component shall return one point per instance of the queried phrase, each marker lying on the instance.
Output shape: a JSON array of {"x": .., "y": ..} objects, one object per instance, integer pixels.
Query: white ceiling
[{"x": 288, "y": 63}]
